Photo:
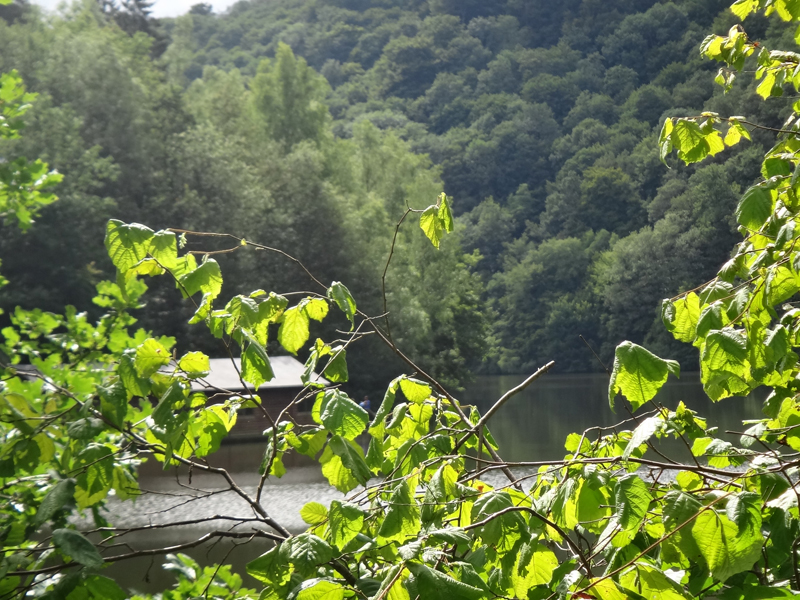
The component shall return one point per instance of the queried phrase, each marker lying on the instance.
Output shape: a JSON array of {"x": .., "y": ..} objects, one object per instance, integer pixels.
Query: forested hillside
[
  {"x": 284, "y": 119},
  {"x": 543, "y": 120}
]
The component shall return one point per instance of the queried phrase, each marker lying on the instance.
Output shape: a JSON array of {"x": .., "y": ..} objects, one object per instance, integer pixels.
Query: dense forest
[{"x": 311, "y": 125}]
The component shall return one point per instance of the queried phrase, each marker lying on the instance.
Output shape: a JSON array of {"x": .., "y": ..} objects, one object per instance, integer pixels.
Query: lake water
[{"x": 532, "y": 426}]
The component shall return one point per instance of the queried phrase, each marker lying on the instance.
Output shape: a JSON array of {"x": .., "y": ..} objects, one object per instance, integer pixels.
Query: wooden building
[{"x": 275, "y": 395}]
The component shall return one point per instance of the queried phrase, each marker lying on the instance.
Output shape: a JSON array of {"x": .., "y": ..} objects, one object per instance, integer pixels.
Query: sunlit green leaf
[
  {"x": 150, "y": 357},
  {"x": 339, "y": 293},
  {"x": 194, "y": 364},
  {"x": 754, "y": 208},
  {"x": 340, "y": 415},
  {"x": 346, "y": 521},
  {"x": 127, "y": 244},
  {"x": 726, "y": 552},
  {"x": 314, "y": 513},
  {"x": 638, "y": 374},
  {"x": 294, "y": 329},
  {"x": 402, "y": 516}
]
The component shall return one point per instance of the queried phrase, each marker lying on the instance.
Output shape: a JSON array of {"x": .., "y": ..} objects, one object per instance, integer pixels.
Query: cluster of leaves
[
  {"x": 23, "y": 185},
  {"x": 91, "y": 401},
  {"x": 724, "y": 524}
]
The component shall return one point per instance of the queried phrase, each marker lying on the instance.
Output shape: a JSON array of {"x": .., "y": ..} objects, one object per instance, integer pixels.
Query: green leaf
[
  {"x": 754, "y": 208},
  {"x": 638, "y": 374},
  {"x": 127, "y": 244},
  {"x": 340, "y": 415},
  {"x": 648, "y": 582},
  {"x": 352, "y": 457},
  {"x": 96, "y": 478},
  {"x": 643, "y": 432},
  {"x": 502, "y": 531},
  {"x": 336, "y": 473},
  {"x": 150, "y": 357},
  {"x": 451, "y": 535},
  {"x": 725, "y": 350},
  {"x": 336, "y": 369},
  {"x": 209, "y": 429},
  {"x": 135, "y": 385},
  {"x": 534, "y": 566},
  {"x": 314, "y": 513},
  {"x": 113, "y": 403},
  {"x": 392, "y": 585},
  {"x": 309, "y": 443},
  {"x": 318, "y": 589},
  {"x": 431, "y": 225},
  {"x": 711, "y": 317},
  {"x": 565, "y": 504},
  {"x": 782, "y": 283},
  {"x": 743, "y": 8},
  {"x": 680, "y": 317},
  {"x": 194, "y": 364},
  {"x": 435, "y": 585},
  {"x": 306, "y": 551},
  {"x": 103, "y": 588},
  {"x": 744, "y": 509},
  {"x": 76, "y": 546},
  {"x": 725, "y": 550},
  {"x": 387, "y": 404},
  {"x": 632, "y": 499},
  {"x": 607, "y": 589},
  {"x": 60, "y": 495},
  {"x": 436, "y": 220},
  {"x": 164, "y": 248},
  {"x": 345, "y": 521},
  {"x": 445, "y": 212},
  {"x": 690, "y": 141},
  {"x": 85, "y": 429},
  {"x": 163, "y": 413},
  {"x": 339, "y": 293},
  {"x": 294, "y": 329},
  {"x": 270, "y": 311},
  {"x": 256, "y": 368},
  {"x": 315, "y": 308},
  {"x": 402, "y": 518},
  {"x": 414, "y": 390},
  {"x": 207, "y": 278},
  {"x": 679, "y": 508},
  {"x": 270, "y": 568}
]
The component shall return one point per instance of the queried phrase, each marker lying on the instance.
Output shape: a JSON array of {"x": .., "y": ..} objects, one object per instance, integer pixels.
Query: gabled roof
[{"x": 225, "y": 376}]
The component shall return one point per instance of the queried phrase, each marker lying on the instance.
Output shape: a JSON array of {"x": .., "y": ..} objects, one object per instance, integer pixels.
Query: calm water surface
[{"x": 532, "y": 426}]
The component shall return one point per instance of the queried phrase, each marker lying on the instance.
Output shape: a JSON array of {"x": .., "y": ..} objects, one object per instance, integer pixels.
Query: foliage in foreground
[{"x": 615, "y": 519}]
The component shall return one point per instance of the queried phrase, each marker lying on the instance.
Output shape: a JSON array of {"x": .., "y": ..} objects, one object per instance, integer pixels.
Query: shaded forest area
[{"x": 310, "y": 125}]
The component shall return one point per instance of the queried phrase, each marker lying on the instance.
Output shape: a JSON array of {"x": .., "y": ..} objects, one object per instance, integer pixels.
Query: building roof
[{"x": 288, "y": 371}]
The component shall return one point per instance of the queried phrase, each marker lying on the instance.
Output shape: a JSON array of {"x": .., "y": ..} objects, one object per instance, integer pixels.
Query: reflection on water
[{"x": 534, "y": 424}]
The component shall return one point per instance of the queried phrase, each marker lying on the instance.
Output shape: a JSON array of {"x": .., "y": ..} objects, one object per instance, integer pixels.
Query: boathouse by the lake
[{"x": 275, "y": 395}]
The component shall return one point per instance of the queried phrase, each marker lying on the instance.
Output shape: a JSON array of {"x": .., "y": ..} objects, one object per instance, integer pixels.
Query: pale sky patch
[{"x": 161, "y": 8}]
